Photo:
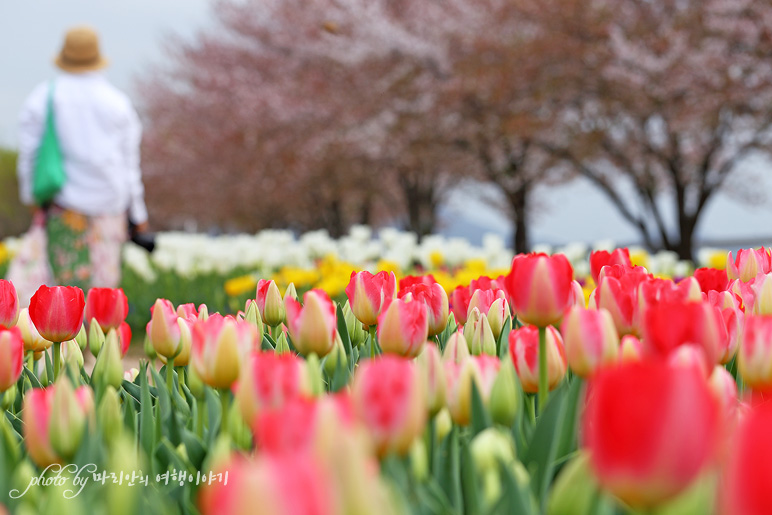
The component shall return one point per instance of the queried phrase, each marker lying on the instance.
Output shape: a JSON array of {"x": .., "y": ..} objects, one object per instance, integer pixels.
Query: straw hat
[{"x": 80, "y": 52}]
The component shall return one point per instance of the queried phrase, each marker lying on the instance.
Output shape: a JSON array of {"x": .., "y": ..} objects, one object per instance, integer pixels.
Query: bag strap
[{"x": 50, "y": 104}]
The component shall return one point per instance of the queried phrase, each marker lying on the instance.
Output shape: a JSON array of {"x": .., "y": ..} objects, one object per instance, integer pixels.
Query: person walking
[{"x": 99, "y": 136}]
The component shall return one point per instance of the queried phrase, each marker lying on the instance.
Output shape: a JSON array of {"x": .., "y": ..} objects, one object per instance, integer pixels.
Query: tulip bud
[
  {"x": 96, "y": 338},
  {"x": 456, "y": 348},
  {"x": 72, "y": 356},
  {"x": 504, "y": 398},
  {"x": 122, "y": 499},
  {"x": 11, "y": 357},
  {"x": 430, "y": 363},
  {"x": 524, "y": 351},
  {"x": 419, "y": 460},
  {"x": 22, "y": 482},
  {"x": 8, "y": 397},
  {"x": 575, "y": 489},
  {"x": 108, "y": 369},
  {"x": 131, "y": 374},
  {"x": 590, "y": 340},
  {"x": 82, "y": 338},
  {"x": 109, "y": 414},
  {"x": 9, "y": 304},
  {"x": 472, "y": 318},
  {"x": 403, "y": 327},
  {"x": 69, "y": 410},
  {"x": 748, "y": 264},
  {"x": 186, "y": 344},
  {"x": 483, "y": 341},
  {"x": 36, "y": 414},
  {"x": 497, "y": 316},
  {"x": 312, "y": 326},
  {"x": 443, "y": 424},
  {"x": 338, "y": 354},
  {"x": 203, "y": 312},
  {"x": 270, "y": 303},
  {"x": 314, "y": 375},
  {"x": 282, "y": 345},
  {"x": 356, "y": 331},
  {"x": 490, "y": 448},
  {"x": 29, "y": 334},
  {"x": 195, "y": 384},
  {"x": 459, "y": 377},
  {"x": 253, "y": 317},
  {"x": 290, "y": 292},
  {"x": 163, "y": 330}
]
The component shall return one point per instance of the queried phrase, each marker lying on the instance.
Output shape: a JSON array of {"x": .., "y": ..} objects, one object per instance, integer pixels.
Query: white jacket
[{"x": 99, "y": 134}]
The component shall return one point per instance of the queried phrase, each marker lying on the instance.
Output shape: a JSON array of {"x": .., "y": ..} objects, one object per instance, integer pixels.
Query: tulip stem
[
  {"x": 225, "y": 404},
  {"x": 57, "y": 358},
  {"x": 169, "y": 375},
  {"x": 543, "y": 386},
  {"x": 200, "y": 421},
  {"x": 373, "y": 331}
]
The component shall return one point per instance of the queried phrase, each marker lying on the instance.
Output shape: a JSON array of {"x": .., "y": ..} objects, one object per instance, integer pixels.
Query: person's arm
[
  {"x": 137, "y": 209},
  {"x": 31, "y": 121}
]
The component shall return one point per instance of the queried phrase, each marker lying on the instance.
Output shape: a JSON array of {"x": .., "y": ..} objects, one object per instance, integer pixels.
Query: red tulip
[
  {"x": 313, "y": 325},
  {"x": 124, "y": 333},
  {"x": 436, "y": 300},
  {"x": 748, "y": 477},
  {"x": 268, "y": 381},
  {"x": 403, "y": 327},
  {"x": 524, "y": 352},
  {"x": 109, "y": 306},
  {"x": 650, "y": 429},
  {"x": 187, "y": 311},
  {"x": 712, "y": 279},
  {"x": 411, "y": 280},
  {"x": 368, "y": 294},
  {"x": 57, "y": 312},
  {"x": 617, "y": 292},
  {"x": 459, "y": 303},
  {"x": 389, "y": 399},
  {"x": 655, "y": 290},
  {"x": 601, "y": 258},
  {"x": 748, "y": 264},
  {"x": 9, "y": 304},
  {"x": 540, "y": 288},
  {"x": 36, "y": 415},
  {"x": 11, "y": 356},
  {"x": 668, "y": 325}
]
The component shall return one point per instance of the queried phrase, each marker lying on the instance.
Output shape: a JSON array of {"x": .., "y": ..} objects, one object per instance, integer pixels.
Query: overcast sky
[{"x": 133, "y": 33}]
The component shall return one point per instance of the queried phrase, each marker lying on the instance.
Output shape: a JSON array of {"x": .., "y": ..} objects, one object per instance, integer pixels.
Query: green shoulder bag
[{"x": 49, "y": 175}]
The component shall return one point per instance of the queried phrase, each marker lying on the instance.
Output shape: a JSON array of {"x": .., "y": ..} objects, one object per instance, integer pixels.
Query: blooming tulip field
[{"x": 363, "y": 375}]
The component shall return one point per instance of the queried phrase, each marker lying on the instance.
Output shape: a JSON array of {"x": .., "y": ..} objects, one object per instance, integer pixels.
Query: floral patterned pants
[{"x": 85, "y": 251}]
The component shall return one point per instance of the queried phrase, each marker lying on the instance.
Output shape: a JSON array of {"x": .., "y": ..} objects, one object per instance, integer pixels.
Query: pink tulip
[
  {"x": 219, "y": 346},
  {"x": 617, "y": 292},
  {"x": 312, "y": 326},
  {"x": 524, "y": 352},
  {"x": 403, "y": 327},
  {"x": 389, "y": 400},
  {"x": 483, "y": 299},
  {"x": 268, "y": 381},
  {"x": 590, "y": 340},
  {"x": 124, "y": 334},
  {"x": 650, "y": 430},
  {"x": 187, "y": 311},
  {"x": 436, "y": 300},
  {"x": 744, "y": 292},
  {"x": 11, "y": 357},
  {"x": 269, "y": 303},
  {"x": 9, "y": 304},
  {"x": 284, "y": 484},
  {"x": 654, "y": 290},
  {"x": 729, "y": 305},
  {"x": 601, "y": 258},
  {"x": 369, "y": 294},
  {"x": 540, "y": 288},
  {"x": 57, "y": 312},
  {"x": 754, "y": 358},
  {"x": 36, "y": 415},
  {"x": 630, "y": 348},
  {"x": 748, "y": 264},
  {"x": 432, "y": 371},
  {"x": 163, "y": 330},
  {"x": 109, "y": 306}
]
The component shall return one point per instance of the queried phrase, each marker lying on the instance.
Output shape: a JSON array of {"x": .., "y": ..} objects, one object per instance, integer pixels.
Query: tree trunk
[{"x": 518, "y": 202}]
